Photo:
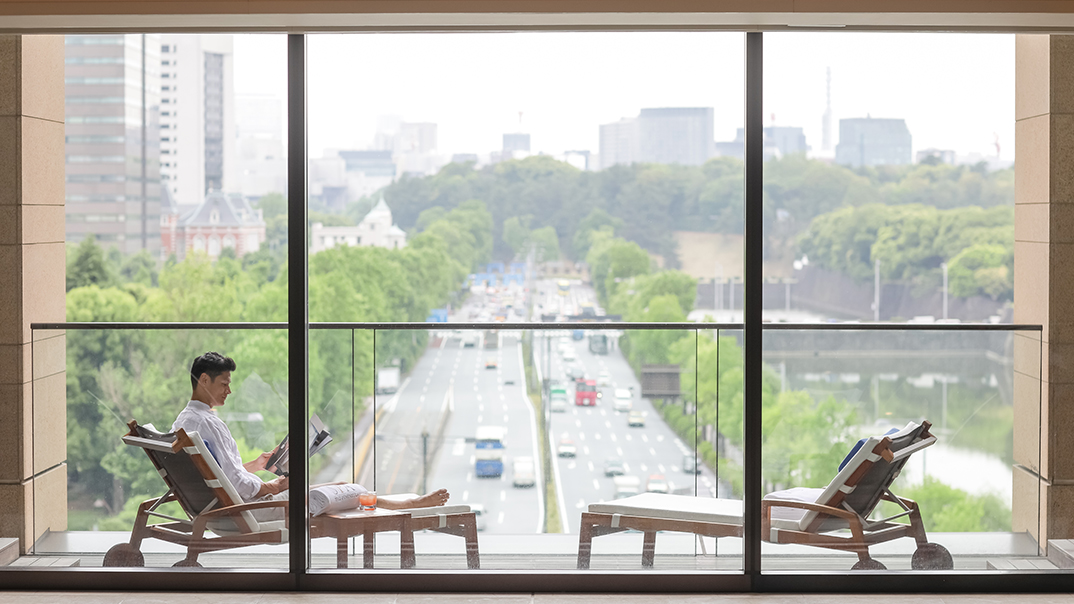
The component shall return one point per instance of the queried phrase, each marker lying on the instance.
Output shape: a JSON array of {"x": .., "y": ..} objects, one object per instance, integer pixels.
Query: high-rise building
[
  {"x": 112, "y": 104},
  {"x": 516, "y": 141},
  {"x": 261, "y": 166},
  {"x": 197, "y": 109},
  {"x": 826, "y": 119},
  {"x": 676, "y": 135},
  {"x": 778, "y": 141},
  {"x": 869, "y": 141},
  {"x": 665, "y": 135},
  {"x": 619, "y": 142}
]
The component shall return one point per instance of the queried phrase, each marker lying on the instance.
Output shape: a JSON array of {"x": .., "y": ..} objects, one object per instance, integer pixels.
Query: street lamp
[{"x": 944, "y": 267}]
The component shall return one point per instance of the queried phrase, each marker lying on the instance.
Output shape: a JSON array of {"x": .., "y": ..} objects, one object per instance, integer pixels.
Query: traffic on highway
[{"x": 462, "y": 420}]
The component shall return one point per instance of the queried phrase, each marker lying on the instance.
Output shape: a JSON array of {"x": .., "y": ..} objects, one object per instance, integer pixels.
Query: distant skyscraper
[
  {"x": 778, "y": 142},
  {"x": 261, "y": 165},
  {"x": 676, "y": 135},
  {"x": 619, "y": 142},
  {"x": 197, "y": 109},
  {"x": 112, "y": 106},
  {"x": 826, "y": 120},
  {"x": 868, "y": 141},
  {"x": 516, "y": 141}
]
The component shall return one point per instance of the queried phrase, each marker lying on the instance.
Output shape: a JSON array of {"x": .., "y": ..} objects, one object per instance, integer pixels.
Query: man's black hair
[{"x": 212, "y": 363}]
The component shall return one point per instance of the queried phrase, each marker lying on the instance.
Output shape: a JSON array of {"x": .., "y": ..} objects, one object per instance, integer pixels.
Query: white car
[
  {"x": 624, "y": 400},
  {"x": 603, "y": 379},
  {"x": 569, "y": 355}
]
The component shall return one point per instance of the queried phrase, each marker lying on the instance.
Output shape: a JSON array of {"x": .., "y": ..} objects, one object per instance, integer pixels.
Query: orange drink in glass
[{"x": 368, "y": 500}]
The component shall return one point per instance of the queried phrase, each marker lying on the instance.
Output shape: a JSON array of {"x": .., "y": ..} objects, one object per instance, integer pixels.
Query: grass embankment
[{"x": 533, "y": 390}]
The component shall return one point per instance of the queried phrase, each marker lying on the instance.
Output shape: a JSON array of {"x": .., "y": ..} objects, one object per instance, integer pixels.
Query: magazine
[
  {"x": 279, "y": 462},
  {"x": 334, "y": 498}
]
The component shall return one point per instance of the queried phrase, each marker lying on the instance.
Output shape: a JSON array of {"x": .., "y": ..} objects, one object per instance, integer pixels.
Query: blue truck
[{"x": 489, "y": 454}]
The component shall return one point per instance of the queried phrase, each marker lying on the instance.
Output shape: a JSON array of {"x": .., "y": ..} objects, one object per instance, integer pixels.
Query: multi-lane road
[{"x": 452, "y": 391}]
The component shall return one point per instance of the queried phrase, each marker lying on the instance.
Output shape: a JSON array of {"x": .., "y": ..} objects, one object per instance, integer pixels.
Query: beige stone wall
[
  {"x": 1044, "y": 285},
  {"x": 33, "y": 417}
]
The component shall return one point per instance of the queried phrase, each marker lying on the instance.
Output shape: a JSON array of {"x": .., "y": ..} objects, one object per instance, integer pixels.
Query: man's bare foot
[{"x": 429, "y": 500}]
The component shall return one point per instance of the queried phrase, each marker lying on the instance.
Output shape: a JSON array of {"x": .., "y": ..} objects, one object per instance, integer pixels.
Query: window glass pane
[
  {"x": 889, "y": 197},
  {"x": 174, "y": 176},
  {"x": 548, "y": 192}
]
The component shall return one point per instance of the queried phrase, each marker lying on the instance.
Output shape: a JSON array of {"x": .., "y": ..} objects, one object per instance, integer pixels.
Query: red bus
[{"x": 585, "y": 393}]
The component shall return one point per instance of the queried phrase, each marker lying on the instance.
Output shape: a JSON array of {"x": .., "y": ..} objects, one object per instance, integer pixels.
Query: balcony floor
[{"x": 674, "y": 552}]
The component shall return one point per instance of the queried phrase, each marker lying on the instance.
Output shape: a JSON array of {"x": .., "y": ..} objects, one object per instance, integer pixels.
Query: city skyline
[{"x": 563, "y": 97}]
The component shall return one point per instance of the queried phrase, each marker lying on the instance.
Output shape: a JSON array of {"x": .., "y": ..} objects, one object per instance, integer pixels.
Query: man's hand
[
  {"x": 258, "y": 462},
  {"x": 274, "y": 487}
]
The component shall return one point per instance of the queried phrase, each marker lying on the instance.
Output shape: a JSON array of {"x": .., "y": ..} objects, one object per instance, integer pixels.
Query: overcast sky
[{"x": 956, "y": 91}]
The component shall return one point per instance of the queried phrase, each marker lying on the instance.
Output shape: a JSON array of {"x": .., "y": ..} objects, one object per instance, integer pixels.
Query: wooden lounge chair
[
  {"x": 817, "y": 517},
  {"x": 207, "y": 497},
  {"x": 458, "y": 520}
]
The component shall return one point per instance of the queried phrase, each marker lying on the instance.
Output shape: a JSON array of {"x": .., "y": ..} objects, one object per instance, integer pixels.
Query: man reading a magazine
[{"x": 210, "y": 378}]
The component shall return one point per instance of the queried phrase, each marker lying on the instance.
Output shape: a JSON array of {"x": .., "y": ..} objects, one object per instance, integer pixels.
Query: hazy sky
[{"x": 956, "y": 91}]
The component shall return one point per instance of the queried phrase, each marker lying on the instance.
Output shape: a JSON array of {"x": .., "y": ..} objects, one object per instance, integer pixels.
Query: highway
[
  {"x": 451, "y": 391},
  {"x": 599, "y": 432}
]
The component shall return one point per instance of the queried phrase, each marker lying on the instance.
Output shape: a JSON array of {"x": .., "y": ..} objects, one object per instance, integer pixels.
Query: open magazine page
[{"x": 333, "y": 498}]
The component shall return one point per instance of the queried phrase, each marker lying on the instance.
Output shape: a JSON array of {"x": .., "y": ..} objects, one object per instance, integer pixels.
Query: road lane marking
[
  {"x": 608, "y": 424},
  {"x": 659, "y": 438},
  {"x": 596, "y": 435},
  {"x": 591, "y": 468},
  {"x": 628, "y": 438},
  {"x": 603, "y": 413},
  {"x": 466, "y": 495},
  {"x": 578, "y": 423},
  {"x": 505, "y": 418},
  {"x": 652, "y": 451},
  {"x": 644, "y": 468},
  {"x": 612, "y": 436},
  {"x": 503, "y": 495},
  {"x": 459, "y": 448},
  {"x": 479, "y": 418},
  {"x": 581, "y": 436},
  {"x": 596, "y": 484},
  {"x": 619, "y": 451},
  {"x": 479, "y": 397},
  {"x": 644, "y": 438},
  {"x": 572, "y": 465},
  {"x": 660, "y": 467},
  {"x": 585, "y": 449},
  {"x": 580, "y": 504},
  {"x": 481, "y": 407},
  {"x": 469, "y": 477},
  {"x": 499, "y": 519}
]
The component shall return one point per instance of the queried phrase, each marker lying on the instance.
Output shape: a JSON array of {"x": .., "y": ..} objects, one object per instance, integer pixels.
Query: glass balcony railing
[{"x": 544, "y": 432}]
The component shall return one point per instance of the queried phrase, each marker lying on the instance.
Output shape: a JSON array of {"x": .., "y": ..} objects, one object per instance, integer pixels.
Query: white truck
[
  {"x": 387, "y": 380},
  {"x": 626, "y": 486}
]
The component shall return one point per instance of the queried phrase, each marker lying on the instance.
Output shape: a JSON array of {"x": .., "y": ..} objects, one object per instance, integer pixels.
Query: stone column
[
  {"x": 33, "y": 413},
  {"x": 1044, "y": 287}
]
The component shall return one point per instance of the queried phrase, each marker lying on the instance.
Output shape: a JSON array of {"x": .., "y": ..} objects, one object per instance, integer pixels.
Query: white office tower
[
  {"x": 197, "y": 116},
  {"x": 262, "y": 161},
  {"x": 619, "y": 142}
]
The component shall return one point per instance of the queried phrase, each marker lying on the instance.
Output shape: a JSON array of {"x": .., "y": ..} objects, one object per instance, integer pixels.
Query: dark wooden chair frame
[
  {"x": 191, "y": 531},
  {"x": 863, "y": 532}
]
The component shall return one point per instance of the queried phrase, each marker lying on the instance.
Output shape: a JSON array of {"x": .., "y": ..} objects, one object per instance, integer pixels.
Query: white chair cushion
[
  {"x": 674, "y": 507},
  {"x": 436, "y": 511},
  {"x": 217, "y": 526}
]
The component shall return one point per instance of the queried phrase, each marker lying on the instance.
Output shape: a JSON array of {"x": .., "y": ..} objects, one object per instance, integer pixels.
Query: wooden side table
[
  {"x": 349, "y": 524},
  {"x": 452, "y": 521}
]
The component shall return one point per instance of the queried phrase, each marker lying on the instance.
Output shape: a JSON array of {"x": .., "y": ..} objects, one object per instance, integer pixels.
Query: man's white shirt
[{"x": 199, "y": 417}]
